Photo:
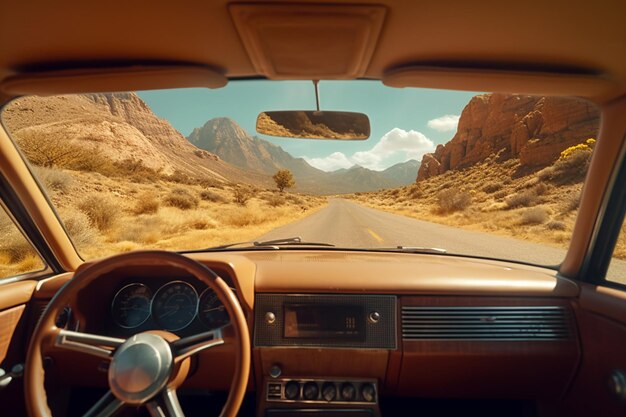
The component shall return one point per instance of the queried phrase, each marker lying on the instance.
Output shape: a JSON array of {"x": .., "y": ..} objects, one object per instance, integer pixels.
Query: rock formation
[{"x": 533, "y": 129}]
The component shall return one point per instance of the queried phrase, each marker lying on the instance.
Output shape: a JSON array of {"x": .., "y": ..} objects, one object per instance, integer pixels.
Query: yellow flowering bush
[{"x": 586, "y": 146}]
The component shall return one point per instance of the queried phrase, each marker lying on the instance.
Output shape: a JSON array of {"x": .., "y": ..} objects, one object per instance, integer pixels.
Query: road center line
[{"x": 375, "y": 235}]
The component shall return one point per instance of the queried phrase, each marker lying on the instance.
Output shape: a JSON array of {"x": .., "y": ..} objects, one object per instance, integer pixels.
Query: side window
[
  {"x": 617, "y": 267},
  {"x": 17, "y": 255}
]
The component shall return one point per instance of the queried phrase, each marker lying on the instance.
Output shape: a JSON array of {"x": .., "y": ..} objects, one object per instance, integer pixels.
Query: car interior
[{"x": 287, "y": 328}]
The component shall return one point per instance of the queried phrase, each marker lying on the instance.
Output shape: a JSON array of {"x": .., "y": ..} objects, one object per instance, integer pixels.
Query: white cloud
[
  {"x": 332, "y": 162},
  {"x": 446, "y": 123},
  {"x": 394, "y": 145}
]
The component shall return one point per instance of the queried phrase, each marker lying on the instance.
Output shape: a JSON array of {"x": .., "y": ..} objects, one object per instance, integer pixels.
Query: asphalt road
[{"x": 348, "y": 224}]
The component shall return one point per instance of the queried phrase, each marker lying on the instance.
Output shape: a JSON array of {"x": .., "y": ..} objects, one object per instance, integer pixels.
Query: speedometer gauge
[
  {"x": 211, "y": 310},
  {"x": 131, "y": 306},
  {"x": 175, "y": 305}
]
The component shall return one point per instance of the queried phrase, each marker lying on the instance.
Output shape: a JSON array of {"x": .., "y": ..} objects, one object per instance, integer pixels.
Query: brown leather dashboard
[{"x": 469, "y": 367}]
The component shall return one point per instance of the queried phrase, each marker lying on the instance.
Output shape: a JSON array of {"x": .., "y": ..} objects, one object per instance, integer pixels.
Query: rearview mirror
[{"x": 314, "y": 124}]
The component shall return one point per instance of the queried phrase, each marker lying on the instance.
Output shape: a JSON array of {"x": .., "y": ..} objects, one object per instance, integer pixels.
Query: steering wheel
[{"x": 147, "y": 368}]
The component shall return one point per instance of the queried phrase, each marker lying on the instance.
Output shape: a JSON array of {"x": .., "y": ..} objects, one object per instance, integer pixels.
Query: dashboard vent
[{"x": 486, "y": 323}]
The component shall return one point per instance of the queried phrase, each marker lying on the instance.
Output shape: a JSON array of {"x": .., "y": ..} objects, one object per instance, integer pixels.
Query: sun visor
[
  {"x": 101, "y": 80},
  {"x": 502, "y": 81},
  {"x": 300, "y": 41}
]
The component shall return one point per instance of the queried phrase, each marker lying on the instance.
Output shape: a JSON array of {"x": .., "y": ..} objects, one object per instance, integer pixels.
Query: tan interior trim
[
  {"x": 17, "y": 173},
  {"x": 9, "y": 320},
  {"x": 605, "y": 156},
  {"x": 339, "y": 40},
  {"x": 605, "y": 301},
  {"x": 394, "y": 273},
  {"x": 16, "y": 293},
  {"x": 502, "y": 81},
  {"x": 105, "y": 80}
]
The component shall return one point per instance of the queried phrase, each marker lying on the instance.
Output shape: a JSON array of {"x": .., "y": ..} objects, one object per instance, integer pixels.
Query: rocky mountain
[
  {"x": 533, "y": 129},
  {"x": 118, "y": 126},
  {"x": 403, "y": 172},
  {"x": 225, "y": 138}
]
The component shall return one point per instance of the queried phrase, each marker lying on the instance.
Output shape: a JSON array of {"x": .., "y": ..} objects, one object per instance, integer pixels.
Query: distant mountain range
[
  {"x": 226, "y": 139},
  {"x": 122, "y": 126}
]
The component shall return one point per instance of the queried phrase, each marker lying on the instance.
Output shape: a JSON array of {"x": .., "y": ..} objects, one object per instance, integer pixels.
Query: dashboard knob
[
  {"x": 368, "y": 392},
  {"x": 292, "y": 390},
  {"x": 329, "y": 391},
  {"x": 348, "y": 392},
  {"x": 270, "y": 318},
  {"x": 310, "y": 391}
]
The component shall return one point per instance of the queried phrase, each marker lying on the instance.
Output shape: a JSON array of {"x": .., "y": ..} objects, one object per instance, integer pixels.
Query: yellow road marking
[{"x": 375, "y": 235}]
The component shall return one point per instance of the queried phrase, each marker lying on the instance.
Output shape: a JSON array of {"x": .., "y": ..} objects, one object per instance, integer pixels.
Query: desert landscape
[
  {"x": 515, "y": 167},
  {"x": 122, "y": 178}
]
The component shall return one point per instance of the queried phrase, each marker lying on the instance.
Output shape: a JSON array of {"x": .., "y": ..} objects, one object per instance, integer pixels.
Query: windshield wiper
[
  {"x": 276, "y": 243},
  {"x": 416, "y": 249}
]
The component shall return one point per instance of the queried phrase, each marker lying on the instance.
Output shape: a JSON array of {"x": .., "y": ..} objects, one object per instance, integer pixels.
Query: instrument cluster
[{"x": 174, "y": 306}]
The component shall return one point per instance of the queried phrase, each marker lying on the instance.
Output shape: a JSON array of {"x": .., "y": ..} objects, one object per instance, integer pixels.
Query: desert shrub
[
  {"x": 535, "y": 215},
  {"x": 294, "y": 199},
  {"x": 181, "y": 198},
  {"x": 540, "y": 189},
  {"x": 242, "y": 216},
  {"x": 241, "y": 196},
  {"x": 78, "y": 227},
  {"x": 415, "y": 191},
  {"x": 212, "y": 196},
  {"x": 522, "y": 199},
  {"x": 570, "y": 168},
  {"x": 500, "y": 194},
  {"x": 453, "y": 199},
  {"x": 492, "y": 187},
  {"x": 146, "y": 204},
  {"x": 53, "y": 179},
  {"x": 275, "y": 200},
  {"x": 15, "y": 247},
  {"x": 101, "y": 211},
  {"x": 134, "y": 170},
  {"x": 555, "y": 225},
  {"x": 572, "y": 202},
  {"x": 200, "y": 222}
]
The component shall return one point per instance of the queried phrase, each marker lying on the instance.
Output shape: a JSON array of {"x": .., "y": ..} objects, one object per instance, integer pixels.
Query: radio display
[{"x": 331, "y": 321}]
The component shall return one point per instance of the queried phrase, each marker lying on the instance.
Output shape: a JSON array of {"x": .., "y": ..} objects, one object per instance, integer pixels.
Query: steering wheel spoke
[
  {"x": 95, "y": 345},
  {"x": 189, "y": 346},
  {"x": 170, "y": 408},
  {"x": 107, "y": 406}
]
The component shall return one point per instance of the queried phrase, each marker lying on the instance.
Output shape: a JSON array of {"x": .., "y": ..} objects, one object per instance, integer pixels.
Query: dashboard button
[
  {"x": 348, "y": 392},
  {"x": 292, "y": 390},
  {"x": 329, "y": 391},
  {"x": 310, "y": 391}
]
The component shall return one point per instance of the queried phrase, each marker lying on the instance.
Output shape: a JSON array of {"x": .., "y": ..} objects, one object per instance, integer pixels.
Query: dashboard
[
  {"x": 352, "y": 326},
  {"x": 173, "y": 306}
]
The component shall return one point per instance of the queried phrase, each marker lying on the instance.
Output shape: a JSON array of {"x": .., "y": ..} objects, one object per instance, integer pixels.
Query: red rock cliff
[{"x": 533, "y": 129}]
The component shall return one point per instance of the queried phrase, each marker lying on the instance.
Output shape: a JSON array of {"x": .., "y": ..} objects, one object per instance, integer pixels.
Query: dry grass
[
  {"x": 452, "y": 200},
  {"x": 146, "y": 204},
  {"x": 181, "y": 198},
  {"x": 241, "y": 196},
  {"x": 535, "y": 215},
  {"x": 102, "y": 212},
  {"x": 121, "y": 215},
  {"x": 528, "y": 207}
]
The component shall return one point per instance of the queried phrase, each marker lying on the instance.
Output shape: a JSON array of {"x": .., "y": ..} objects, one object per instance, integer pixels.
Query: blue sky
[{"x": 405, "y": 123}]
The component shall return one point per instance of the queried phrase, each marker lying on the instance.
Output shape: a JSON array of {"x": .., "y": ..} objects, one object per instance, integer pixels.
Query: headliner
[{"x": 563, "y": 35}]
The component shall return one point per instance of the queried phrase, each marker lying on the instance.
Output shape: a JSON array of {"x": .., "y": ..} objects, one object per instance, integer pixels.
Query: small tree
[{"x": 284, "y": 179}]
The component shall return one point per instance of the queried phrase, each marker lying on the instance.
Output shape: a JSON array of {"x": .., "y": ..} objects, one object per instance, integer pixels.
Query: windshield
[{"x": 491, "y": 175}]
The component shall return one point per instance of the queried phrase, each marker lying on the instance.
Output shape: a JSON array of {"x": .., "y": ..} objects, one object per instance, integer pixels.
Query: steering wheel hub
[{"x": 140, "y": 368}]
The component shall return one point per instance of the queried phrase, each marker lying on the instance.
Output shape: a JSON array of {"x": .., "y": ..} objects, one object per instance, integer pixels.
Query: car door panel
[{"x": 601, "y": 317}]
